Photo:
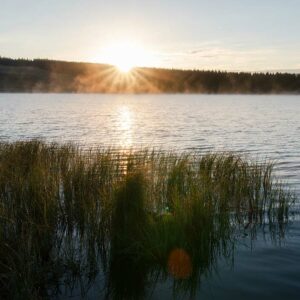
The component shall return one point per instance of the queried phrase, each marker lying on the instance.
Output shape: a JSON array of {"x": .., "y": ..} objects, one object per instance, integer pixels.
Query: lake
[{"x": 262, "y": 127}]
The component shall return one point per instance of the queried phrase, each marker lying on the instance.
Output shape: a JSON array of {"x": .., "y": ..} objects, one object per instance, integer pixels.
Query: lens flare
[{"x": 179, "y": 264}]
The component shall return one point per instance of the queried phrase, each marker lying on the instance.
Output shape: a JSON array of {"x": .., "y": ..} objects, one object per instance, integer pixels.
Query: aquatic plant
[{"x": 68, "y": 214}]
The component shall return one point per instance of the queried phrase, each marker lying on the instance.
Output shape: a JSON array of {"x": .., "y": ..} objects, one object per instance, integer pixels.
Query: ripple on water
[
  {"x": 262, "y": 126},
  {"x": 259, "y": 126}
]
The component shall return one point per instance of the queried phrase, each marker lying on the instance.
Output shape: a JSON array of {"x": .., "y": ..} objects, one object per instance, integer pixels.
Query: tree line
[{"x": 42, "y": 75}]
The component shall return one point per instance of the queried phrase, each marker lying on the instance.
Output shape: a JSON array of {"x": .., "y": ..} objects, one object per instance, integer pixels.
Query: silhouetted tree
[{"x": 42, "y": 75}]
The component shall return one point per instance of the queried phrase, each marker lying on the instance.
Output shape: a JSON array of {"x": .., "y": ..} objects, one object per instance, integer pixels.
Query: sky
[{"x": 236, "y": 35}]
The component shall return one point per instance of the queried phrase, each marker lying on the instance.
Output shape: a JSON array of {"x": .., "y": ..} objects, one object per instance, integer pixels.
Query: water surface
[{"x": 261, "y": 126}]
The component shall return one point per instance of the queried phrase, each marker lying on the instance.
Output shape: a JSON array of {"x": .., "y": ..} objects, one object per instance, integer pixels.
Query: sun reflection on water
[{"x": 125, "y": 125}]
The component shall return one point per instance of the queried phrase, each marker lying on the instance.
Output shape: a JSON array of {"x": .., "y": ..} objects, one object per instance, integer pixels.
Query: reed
[{"x": 69, "y": 213}]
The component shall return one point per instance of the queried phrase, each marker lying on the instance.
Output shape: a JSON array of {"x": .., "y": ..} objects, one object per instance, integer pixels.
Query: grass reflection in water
[{"x": 68, "y": 215}]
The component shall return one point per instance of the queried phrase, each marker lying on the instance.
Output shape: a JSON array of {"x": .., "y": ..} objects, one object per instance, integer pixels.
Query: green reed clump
[
  {"x": 67, "y": 213},
  {"x": 29, "y": 212},
  {"x": 130, "y": 222}
]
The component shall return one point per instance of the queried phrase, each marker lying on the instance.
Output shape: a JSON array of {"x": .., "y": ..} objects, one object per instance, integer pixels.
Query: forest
[{"x": 52, "y": 76}]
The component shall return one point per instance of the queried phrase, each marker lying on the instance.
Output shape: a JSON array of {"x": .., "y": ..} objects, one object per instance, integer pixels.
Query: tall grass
[{"x": 67, "y": 213}]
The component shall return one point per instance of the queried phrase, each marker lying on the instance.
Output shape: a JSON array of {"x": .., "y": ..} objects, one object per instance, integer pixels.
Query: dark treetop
[{"x": 40, "y": 75}]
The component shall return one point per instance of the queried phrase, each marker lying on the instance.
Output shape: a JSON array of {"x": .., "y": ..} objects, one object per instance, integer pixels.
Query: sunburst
[{"x": 126, "y": 55}]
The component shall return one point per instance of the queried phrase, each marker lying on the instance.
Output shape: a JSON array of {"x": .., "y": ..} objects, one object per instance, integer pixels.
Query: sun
[{"x": 126, "y": 55}]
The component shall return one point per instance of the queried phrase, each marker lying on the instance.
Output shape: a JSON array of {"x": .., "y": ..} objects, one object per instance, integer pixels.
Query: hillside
[{"x": 41, "y": 75}]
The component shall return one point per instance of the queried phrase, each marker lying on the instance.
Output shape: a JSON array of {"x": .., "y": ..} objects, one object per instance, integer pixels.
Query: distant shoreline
[
  {"x": 49, "y": 76},
  {"x": 150, "y": 94}
]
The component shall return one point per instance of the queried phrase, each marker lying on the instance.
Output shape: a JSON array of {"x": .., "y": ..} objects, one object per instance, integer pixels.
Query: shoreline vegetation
[
  {"x": 50, "y": 76},
  {"x": 70, "y": 216}
]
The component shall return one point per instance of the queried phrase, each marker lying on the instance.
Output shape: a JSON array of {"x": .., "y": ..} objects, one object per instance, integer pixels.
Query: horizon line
[{"x": 295, "y": 71}]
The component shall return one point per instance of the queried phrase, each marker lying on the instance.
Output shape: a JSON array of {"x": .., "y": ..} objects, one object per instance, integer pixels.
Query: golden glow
[
  {"x": 125, "y": 126},
  {"x": 126, "y": 55}
]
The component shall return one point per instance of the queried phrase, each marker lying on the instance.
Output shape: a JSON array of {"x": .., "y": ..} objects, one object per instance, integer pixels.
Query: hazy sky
[{"x": 215, "y": 34}]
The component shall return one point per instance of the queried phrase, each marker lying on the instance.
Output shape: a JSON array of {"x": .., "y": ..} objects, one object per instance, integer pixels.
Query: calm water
[{"x": 261, "y": 126}]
